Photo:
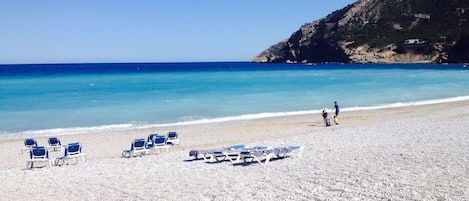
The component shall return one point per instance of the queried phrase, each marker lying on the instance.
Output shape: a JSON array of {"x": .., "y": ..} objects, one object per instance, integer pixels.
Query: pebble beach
[{"x": 403, "y": 153}]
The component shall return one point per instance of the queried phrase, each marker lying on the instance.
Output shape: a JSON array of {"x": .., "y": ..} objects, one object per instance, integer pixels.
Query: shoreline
[
  {"x": 246, "y": 117},
  {"x": 403, "y": 153}
]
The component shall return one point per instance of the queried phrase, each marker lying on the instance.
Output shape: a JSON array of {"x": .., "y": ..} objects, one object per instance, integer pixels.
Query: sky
[{"x": 100, "y": 31}]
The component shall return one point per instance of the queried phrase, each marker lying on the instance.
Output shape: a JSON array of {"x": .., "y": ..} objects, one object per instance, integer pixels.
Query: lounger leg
[
  {"x": 247, "y": 158},
  {"x": 24, "y": 149},
  {"x": 270, "y": 156},
  {"x": 300, "y": 152},
  {"x": 267, "y": 159},
  {"x": 207, "y": 158},
  {"x": 126, "y": 154},
  {"x": 224, "y": 157},
  {"x": 216, "y": 158},
  {"x": 238, "y": 158},
  {"x": 230, "y": 158},
  {"x": 257, "y": 159}
]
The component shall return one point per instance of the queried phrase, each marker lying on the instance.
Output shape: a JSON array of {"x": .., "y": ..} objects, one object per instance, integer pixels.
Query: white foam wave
[
  {"x": 116, "y": 127},
  {"x": 407, "y": 104},
  {"x": 64, "y": 131}
]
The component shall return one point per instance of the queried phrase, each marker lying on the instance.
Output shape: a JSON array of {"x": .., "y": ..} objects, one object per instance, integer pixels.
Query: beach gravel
[{"x": 406, "y": 153}]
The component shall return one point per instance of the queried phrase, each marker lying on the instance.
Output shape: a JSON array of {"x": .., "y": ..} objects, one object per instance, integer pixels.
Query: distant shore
[{"x": 404, "y": 153}]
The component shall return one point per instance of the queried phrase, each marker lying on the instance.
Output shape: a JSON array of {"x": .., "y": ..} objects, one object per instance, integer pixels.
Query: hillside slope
[{"x": 381, "y": 31}]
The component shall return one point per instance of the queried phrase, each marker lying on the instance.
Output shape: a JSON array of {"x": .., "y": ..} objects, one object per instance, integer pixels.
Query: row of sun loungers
[
  {"x": 73, "y": 151},
  {"x": 242, "y": 153},
  {"x": 40, "y": 154},
  {"x": 54, "y": 144},
  {"x": 153, "y": 142}
]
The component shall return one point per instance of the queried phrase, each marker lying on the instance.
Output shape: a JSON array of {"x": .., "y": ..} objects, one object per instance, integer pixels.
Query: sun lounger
[
  {"x": 236, "y": 153},
  {"x": 151, "y": 139},
  {"x": 221, "y": 155},
  {"x": 173, "y": 138},
  {"x": 233, "y": 154},
  {"x": 158, "y": 142},
  {"x": 205, "y": 154},
  {"x": 138, "y": 146},
  {"x": 293, "y": 149},
  {"x": 264, "y": 155},
  {"x": 54, "y": 144},
  {"x": 38, "y": 154},
  {"x": 259, "y": 154},
  {"x": 225, "y": 152},
  {"x": 72, "y": 151},
  {"x": 28, "y": 145}
]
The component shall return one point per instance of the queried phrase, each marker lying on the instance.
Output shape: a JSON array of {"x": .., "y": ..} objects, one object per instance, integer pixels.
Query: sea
[{"x": 56, "y": 99}]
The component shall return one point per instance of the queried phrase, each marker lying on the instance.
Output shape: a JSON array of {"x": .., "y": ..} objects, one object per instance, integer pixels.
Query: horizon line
[{"x": 125, "y": 62}]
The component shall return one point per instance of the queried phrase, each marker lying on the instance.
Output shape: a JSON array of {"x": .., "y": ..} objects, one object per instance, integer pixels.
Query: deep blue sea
[{"x": 52, "y": 99}]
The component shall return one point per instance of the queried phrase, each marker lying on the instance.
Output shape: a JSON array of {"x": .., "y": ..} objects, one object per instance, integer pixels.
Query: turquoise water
[{"x": 51, "y": 99}]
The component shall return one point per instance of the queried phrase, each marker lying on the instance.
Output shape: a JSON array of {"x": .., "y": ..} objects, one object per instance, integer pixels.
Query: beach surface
[{"x": 405, "y": 153}]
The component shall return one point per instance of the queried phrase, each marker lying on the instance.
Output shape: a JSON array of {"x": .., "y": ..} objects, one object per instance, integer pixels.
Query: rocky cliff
[{"x": 381, "y": 31}]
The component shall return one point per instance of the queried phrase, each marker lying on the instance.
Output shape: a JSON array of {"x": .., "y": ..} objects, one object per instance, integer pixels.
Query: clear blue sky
[{"x": 63, "y": 31}]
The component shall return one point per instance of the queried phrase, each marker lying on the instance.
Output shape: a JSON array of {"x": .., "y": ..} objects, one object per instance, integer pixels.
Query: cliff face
[{"x": 381, "y": 31}]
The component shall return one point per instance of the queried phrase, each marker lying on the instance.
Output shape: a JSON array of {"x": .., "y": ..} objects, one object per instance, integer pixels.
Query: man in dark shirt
[{"x": 336, "y": 106}]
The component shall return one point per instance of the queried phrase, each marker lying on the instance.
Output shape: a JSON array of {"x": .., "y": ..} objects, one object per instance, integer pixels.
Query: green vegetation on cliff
[{"x": 434, "y": 21}]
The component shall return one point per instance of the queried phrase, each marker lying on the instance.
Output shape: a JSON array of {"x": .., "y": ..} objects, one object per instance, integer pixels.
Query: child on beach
[
  {"x": 326, "y": 117},
  {"x": 328, "y": 121},
  {"x": 324, "y": 114}
]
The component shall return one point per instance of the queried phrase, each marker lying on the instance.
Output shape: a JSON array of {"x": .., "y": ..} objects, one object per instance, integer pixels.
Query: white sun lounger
[
  {"x": 211, "y": 154},
  {"x": 72, "y": 151},
  {"x": 264, "y": 155},
  {"x": 159, "y": 142},
  {"x": 38, "y": 154},
  {"x": 138, "y": 146},
  {"x": 173, "y": 138},
  {"x": 28, "y": 145}
]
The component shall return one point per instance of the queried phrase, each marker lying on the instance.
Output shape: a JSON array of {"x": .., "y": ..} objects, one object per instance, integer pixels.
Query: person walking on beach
[{"x": 336, "y": 106}]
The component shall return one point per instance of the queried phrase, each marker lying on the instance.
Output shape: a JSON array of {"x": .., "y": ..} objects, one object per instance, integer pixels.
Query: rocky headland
[{"x": 384, "y": 31}]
